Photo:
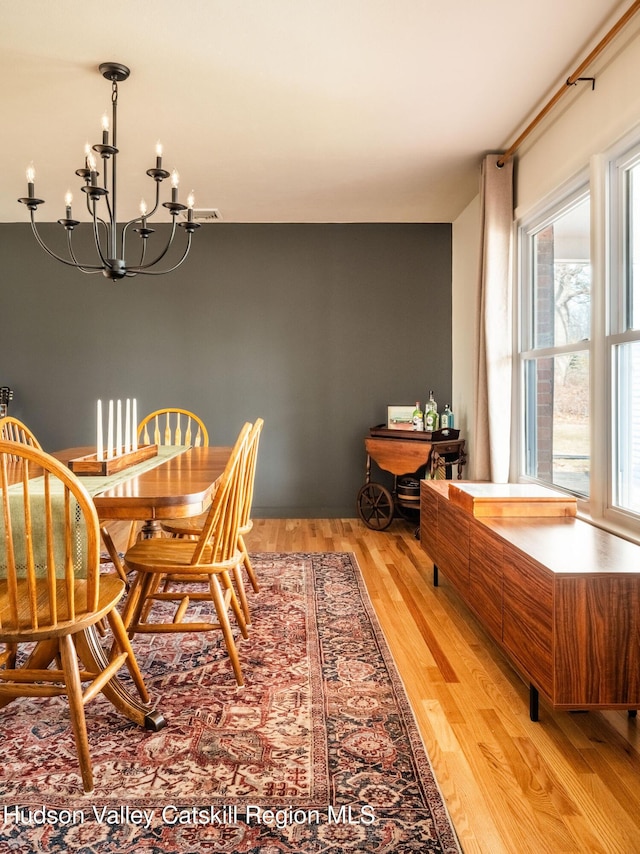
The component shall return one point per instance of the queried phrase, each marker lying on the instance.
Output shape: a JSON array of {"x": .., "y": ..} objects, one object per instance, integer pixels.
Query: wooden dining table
[{"x": 181, "y": 485}]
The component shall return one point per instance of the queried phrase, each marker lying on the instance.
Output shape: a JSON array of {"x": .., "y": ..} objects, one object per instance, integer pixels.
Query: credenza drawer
[
  {"x": 485, "y": 579},
  {"x": 453, "y": 545},
  {"x": 527, "y": 630}
]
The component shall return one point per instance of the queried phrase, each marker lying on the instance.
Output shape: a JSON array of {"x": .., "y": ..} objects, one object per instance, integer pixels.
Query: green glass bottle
[
  {"x": 418, "y": 418},
  {"x": 431, "y": 414}
]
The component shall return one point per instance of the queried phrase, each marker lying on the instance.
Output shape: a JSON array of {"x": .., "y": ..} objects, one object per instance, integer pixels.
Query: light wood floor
[{"x": 569, "y": 783}]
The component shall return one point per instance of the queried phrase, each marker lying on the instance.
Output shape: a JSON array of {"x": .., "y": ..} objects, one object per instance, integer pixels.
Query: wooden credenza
[{"x": 558, "y": 595}]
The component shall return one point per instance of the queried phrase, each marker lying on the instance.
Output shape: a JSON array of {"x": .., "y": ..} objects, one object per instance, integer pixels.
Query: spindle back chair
[
  {"x": 173, "y": 426},
  {"x": 180, "y": 562},
  {"x": 51, "y": 588}
]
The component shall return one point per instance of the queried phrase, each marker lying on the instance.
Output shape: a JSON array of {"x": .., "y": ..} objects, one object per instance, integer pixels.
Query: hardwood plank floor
[{"x": 569, "y": 783}]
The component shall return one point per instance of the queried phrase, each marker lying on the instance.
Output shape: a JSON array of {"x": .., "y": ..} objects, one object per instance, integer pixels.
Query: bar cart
[{"x": 408, "y": 456}]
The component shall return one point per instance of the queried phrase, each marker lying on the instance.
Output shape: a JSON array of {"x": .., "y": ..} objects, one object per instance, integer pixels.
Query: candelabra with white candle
[
  {"x": 121, "y": 449},
  {"x": 115, "y": 424}
]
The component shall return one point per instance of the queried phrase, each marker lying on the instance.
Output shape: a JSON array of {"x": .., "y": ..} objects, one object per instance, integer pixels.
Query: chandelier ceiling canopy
[{"x": 101, "y": 200}]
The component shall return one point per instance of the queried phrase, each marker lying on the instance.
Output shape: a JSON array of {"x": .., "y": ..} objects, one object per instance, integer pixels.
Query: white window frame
[
  {"x": 603, "y": 181},
  {"x": 618, "y": 161},
  {"x": 553, "y": 207}
]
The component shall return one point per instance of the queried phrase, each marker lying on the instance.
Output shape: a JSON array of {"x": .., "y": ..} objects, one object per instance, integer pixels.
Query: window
[
  {"x": 624, "y": 338},
  {"x": 555, "y": 346},
  {"x": 579, "y": 342}
]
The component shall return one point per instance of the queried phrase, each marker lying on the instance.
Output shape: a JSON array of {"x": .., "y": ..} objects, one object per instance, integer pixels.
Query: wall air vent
[{"x": 204, "y": 214}]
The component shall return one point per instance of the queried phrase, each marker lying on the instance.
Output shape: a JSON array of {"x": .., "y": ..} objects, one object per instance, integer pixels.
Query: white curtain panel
[{"x": 493, "y": 390}]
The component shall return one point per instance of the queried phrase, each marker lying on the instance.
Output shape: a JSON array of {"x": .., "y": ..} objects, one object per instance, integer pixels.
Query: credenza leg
[
  {"x": 435, "y": 575},
  {"x": 632, "y": 713},
  {"x": 533, "y": 703}
]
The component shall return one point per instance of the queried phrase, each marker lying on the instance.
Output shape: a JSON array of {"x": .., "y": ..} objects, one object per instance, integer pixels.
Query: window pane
[
  {"x": 627, "y": 492},
  {"x": 633, "y": 297},
  {"x": 557, "y": 421},
  {"x": 562, "y": 280}
]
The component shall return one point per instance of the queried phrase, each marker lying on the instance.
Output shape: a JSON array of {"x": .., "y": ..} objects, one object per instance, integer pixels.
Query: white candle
[
  {"x": 99, "y": 442},
  {"x": 127, "y": 426},
  {"x": 134, "y": 424},
  {"x": 119, "y": 427},
  {"x": 110, "y": 432}
]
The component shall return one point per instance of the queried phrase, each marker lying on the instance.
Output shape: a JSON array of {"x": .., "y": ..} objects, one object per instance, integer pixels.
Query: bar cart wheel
[{"x": 375, "y": 506}]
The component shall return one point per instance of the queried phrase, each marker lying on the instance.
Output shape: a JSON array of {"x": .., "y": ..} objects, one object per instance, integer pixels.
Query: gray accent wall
[{"x": 316, "y": 328}]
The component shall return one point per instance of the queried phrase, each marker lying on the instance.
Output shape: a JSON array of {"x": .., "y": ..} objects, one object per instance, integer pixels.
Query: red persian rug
[{"x": 319, "y": 752}]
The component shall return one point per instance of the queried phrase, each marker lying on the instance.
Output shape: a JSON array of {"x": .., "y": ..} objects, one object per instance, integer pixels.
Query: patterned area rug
[{"x": 319, "y": 752}]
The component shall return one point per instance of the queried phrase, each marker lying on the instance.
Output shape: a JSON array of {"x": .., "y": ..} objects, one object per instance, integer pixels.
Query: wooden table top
[{"x": 180, "y": 486}]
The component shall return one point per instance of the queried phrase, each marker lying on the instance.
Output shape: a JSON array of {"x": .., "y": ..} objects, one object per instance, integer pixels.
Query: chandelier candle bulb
[
  {"x": 68, "y": 198},
  {"x": 99, "y": 439},
  {"x": 175, "y": 180},
  {"x": 158, "y": 155},
  {"x": 105, "y": 129},
  {"x": 110, "y": 432},
  {"x": 31, "y": 179},
  {"x": 93, "y": 169}
]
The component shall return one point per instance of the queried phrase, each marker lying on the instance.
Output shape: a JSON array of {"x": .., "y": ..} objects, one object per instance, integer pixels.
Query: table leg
[{"x": 151, "y": 528}]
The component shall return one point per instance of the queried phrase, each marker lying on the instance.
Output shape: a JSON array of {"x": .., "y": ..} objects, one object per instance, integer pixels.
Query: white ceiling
[{"x": 283, "y": 110}]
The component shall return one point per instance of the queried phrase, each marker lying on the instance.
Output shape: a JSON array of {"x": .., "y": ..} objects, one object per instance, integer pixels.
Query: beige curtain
[{"x": 493, "y": 387}]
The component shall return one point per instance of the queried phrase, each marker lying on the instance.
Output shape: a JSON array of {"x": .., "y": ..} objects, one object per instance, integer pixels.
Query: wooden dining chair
[
  {"x": 165, "y": 567},
  {"x": 172, "y": 426},
  {"x": 192, "y": 526},
  {"x": 169, "y": 426},
  {"x": 51, "y": 589},
  {"x": 13, "y": 430}
]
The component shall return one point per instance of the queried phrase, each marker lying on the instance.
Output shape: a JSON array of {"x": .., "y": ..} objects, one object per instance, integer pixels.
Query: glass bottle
[
  {"x": 418, "y": 417},
  {"x": 446, "y": 419},
  {"x": 431, "y": 414}
]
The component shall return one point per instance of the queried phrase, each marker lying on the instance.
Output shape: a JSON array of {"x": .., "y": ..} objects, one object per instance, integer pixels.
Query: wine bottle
[
  {"x": 431, "y": 414},
  {"x": 418, "y": 417}
]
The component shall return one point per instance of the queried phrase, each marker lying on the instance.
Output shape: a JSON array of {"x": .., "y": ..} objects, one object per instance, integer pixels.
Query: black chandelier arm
[
  {"x": 96, "y": 236},
  {"x": 145, "y": 233},
  {"x": 50, "y": 252},
  {"x": 141, "y": 267},
  {"x": 137, "y": 221},
  {"x": 143, "y": 253},
  {"x": 110, "y": 215},
  {"x": 140, "y": 219},
  {"x": 84, "y": 268},
  {"x": 106, "y": 226},
  {"x": 155, "y": 207},
  {"x": 147, "y": 272}
]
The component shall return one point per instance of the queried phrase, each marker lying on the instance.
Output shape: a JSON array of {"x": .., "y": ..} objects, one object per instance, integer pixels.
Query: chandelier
[{"x": 101, "y": 200}]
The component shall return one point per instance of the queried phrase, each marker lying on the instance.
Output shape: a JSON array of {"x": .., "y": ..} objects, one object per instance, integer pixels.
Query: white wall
[{"x": 582, "y": 124}]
